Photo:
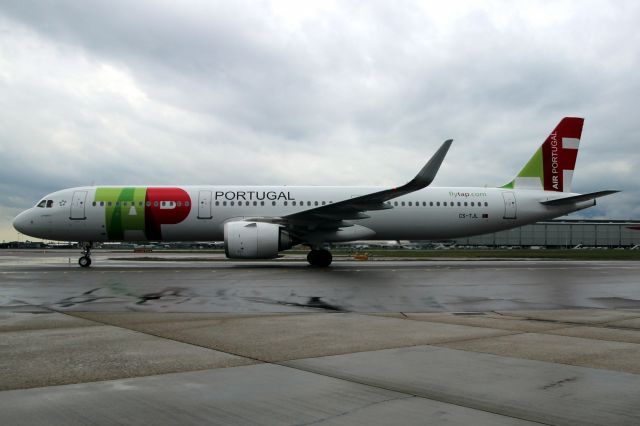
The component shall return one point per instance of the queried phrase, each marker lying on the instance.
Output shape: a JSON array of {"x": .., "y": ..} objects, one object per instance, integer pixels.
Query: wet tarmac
[
  {"x": 54, "y": 280},
  {"x": 195, "y": 339}
]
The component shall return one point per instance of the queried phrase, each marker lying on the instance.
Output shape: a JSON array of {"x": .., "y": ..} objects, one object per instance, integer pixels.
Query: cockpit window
[
  {"x": 42, "y": 203},
  {"x": 49, "y": 204}
]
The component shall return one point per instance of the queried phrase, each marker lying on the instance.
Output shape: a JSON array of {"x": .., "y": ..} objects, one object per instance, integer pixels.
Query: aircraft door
[
  {"x": 510, "y": 207},
  {"x": 78, "y": 205},
  {"x": 204, "y": 205}
]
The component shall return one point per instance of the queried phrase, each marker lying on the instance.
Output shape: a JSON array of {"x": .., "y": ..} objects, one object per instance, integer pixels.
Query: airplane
[{"x": 258, "y": 222}]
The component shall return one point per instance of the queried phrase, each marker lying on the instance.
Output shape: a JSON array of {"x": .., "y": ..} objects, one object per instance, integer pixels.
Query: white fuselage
[{"x": 83, "y": 214}]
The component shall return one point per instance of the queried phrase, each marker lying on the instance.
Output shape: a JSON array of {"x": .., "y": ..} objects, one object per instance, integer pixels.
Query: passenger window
[
  {"x": 402, "y": 203},
  {"x": 308, "y": 203},
  {"x": 444, "y": 203},
  {"x": 164, "y": 204},
  {"x": 315, "y": 203},
  {"x": 486, "y": 204},
  {"x": 148, "y": 204},
  {"x": 323, "y": 203},
  {"x": 465, "y": 204},
  {"x": 224, "y": 203},
  {"x": 424, "y": 204},
  {"x": 109, "y": 204},
  {"x": 255, "y": 203},
  {"x": 231, "y": 203},
  {"x": 186, "y": 204},
  {"x": 179, "y": 203},
  {"x": 431, "y": 203},
  {"x": 155, "y": 204},
  {"x": 262, "y": 203},
  {"x": 293, "y": 203},
  {"x": 472, "y": 204},
  {"x": 93, "y": 204},
  {"x": 273, "y": 203},
  {"x": 438, "y": 203},
  {"x": 458, "y": 203},
  {"x": 409, "y": 203},
  {"x": 395, "y": 203},
  {"x": 101, "y": 203}
]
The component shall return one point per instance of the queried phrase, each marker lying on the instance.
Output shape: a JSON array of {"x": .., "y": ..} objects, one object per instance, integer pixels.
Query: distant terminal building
[{"x": 563, "y": 233}]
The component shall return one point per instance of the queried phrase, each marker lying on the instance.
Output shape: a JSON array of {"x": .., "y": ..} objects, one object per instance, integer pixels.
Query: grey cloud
[{"x": 356, "y": 94}]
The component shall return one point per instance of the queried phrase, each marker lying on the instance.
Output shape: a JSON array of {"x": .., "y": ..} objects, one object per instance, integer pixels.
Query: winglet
[{"x": 428, "y": 173}]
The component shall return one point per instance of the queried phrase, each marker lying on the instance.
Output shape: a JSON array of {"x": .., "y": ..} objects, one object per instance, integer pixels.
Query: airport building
[
  {"x": 563, "y": 233},
  {"x": 550, "y": 234}
]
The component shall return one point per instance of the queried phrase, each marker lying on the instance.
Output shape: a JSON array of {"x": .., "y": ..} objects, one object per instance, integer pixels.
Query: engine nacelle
[{"x": 254, "y": 240}]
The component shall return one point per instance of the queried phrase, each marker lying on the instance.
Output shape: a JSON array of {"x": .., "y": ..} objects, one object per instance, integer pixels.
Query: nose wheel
[
  {"x": 320, "y": 258},
  {"x": 85, "y": 259}
]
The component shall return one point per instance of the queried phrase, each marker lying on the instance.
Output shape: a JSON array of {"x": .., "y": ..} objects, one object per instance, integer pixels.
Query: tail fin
[{"x": 551, "y": 167}]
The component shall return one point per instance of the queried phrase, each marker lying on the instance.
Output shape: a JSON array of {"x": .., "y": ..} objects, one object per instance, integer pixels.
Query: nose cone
[{"x": 21, "y": 222}]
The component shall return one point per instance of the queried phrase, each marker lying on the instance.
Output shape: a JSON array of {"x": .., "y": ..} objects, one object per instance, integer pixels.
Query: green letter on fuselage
[{"x": 126, "y": 212}]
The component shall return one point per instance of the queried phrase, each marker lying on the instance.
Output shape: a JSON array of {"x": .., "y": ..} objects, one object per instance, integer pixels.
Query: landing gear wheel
[
  {"x": 85, "y": 259},
  {"x": 320, "y": 258}
]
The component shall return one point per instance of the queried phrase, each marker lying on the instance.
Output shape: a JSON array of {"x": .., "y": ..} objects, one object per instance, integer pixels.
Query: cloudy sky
[{"x": 290, "y": 92}]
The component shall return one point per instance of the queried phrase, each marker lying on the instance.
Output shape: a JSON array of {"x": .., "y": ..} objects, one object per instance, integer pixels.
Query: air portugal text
[{"x": 254, "y": 195}]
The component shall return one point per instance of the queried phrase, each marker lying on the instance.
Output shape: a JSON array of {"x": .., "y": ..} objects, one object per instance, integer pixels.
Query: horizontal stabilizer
[{"x": 577, "y": 198}]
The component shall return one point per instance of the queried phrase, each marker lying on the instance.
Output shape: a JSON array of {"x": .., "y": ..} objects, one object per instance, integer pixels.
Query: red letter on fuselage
[{"x": 164, "y": 206}]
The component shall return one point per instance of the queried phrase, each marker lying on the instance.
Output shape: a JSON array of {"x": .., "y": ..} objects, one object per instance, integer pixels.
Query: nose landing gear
[{"x": 85, "y": 259}]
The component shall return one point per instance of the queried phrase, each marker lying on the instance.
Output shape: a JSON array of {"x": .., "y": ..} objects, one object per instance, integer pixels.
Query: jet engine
[{"x": 255, "y": 240}]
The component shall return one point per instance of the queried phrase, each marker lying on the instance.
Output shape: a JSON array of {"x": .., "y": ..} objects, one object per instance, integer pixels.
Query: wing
[{"x": 334, "y": 215}]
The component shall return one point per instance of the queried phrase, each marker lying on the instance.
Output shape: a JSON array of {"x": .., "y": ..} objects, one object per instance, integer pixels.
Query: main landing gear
[
  {"x": 320, "y": 257},
  {"x": 85, "y": 259}
]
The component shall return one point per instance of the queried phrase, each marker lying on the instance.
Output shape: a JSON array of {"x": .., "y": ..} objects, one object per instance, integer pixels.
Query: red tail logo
[{"x": 559, "y": 153}]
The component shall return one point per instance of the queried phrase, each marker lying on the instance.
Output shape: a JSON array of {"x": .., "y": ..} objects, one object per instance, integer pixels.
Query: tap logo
[{"x": 141, "y": 212}]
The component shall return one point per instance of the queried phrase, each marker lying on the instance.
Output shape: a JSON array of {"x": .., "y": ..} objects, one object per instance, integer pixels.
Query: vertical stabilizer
[{"x": 551, "y": 167}]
